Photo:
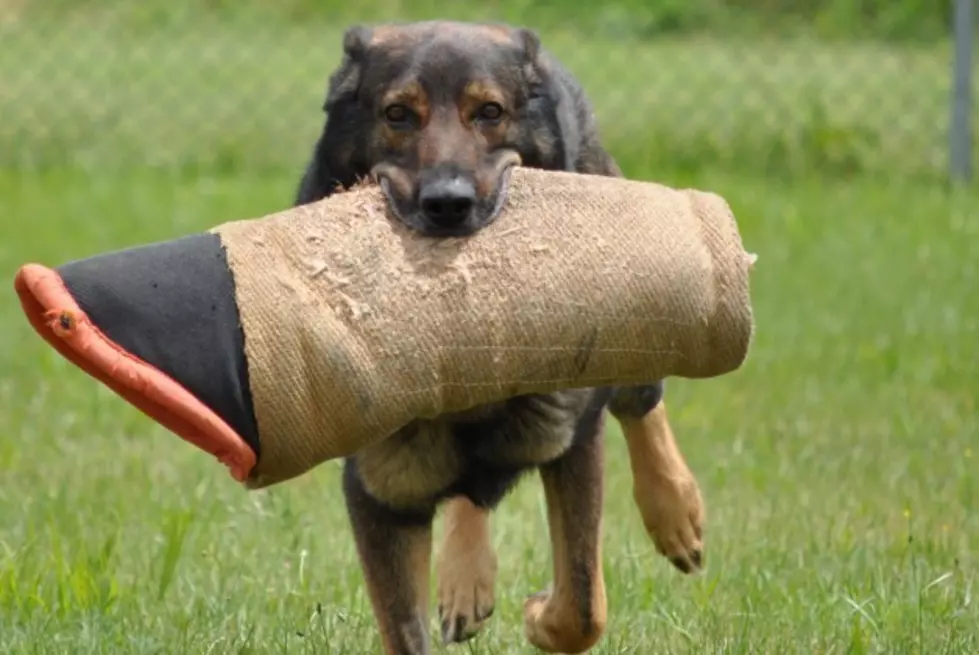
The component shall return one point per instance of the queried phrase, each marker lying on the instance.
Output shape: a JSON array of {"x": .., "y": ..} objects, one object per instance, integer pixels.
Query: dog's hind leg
[
  {"x": 570, "y": 617},
  {"x": 395, "y": 553}
]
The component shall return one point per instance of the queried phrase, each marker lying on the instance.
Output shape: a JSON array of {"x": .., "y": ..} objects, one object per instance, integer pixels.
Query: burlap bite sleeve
[
  {"x": 354, "y": 325},
  {"x": 278, "y": 343}
]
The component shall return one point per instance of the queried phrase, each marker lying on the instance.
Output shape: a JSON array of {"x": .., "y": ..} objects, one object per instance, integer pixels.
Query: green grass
[{"x": 838, "y": 465}]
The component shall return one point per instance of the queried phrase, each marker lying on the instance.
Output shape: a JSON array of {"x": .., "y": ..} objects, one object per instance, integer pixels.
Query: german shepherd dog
[{"x": 436, "y": 112}]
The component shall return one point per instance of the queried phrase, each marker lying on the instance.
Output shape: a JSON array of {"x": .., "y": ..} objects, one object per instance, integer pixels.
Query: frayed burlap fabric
[{"x": 355, "y": 325}]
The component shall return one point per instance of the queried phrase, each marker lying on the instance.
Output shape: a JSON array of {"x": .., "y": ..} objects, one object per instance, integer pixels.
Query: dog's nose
[{"x": 448, "y": 202}]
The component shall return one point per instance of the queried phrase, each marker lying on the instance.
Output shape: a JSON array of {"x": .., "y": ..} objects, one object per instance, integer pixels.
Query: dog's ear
[
  {"x": 553, "y": 98},
  {"x": 345, "y": 81},
  {"x": 335, "y": 155},
  {"x": 529, "y": 42},
  {"x": 356, "y": 41}
]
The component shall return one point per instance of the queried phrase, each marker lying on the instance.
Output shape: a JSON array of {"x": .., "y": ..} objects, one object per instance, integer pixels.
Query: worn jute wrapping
[{"x": 355, "y": 325}]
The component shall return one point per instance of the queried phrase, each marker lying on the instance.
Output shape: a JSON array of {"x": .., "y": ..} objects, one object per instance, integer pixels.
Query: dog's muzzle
[{"x": 448, "y": 203}]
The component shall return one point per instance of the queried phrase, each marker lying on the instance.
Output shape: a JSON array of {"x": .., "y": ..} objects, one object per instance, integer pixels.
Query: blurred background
[
  {"x": 782, "y": 87},
  {"x": 838, "y": 465}
]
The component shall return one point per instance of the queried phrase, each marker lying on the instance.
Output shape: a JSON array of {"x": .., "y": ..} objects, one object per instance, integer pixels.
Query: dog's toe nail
[
  {"x": 698, "y": 558},
  {"x": 454, "y": 631},
  {"x": 482, "y": 616},
  {"x": 681, "y": 563},
  {"x": 460, "y": 628}
]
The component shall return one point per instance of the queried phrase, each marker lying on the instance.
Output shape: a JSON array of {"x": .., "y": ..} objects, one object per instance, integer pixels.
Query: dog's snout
[{"x": 448, "y": 202}]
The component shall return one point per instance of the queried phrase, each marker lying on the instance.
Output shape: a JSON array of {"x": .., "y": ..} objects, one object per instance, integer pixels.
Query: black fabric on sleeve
[{"x": 172, "y": 304}]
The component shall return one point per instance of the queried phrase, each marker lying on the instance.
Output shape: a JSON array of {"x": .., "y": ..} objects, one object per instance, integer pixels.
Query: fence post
[{"x": 960, "y": 134}]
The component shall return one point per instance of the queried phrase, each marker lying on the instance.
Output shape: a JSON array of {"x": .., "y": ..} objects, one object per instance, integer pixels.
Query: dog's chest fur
[{"x": 476, "y": 453}]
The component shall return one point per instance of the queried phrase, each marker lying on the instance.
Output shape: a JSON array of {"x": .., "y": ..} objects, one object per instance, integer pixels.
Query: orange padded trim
[{"x": 56, "y": 316}]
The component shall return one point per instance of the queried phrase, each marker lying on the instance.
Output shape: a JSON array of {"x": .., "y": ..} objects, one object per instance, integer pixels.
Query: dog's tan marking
[
  {"x": 466, "y": 571},
  {"x": 476, "y": 94},
  {"x": 388, "y": 35},
  {"x": 406, "y": 471},
  {"x": 391, "y": 35},
  {"x": 411, "y": 95},
  {"x": 455, "y": 30},
  {"x": 665, "y": 490},
  {"x": 497, "y": 33},
  {"x": 570, "y": 617}
]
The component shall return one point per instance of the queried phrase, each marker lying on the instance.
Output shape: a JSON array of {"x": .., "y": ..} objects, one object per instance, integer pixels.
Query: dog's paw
[
  {"x": 672, "y": 510},
  {"x": 555, "y": 629},
  {"x": 466, "y": 577}
]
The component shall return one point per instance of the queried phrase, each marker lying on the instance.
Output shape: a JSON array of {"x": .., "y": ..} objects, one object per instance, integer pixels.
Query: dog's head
[{"x": 438, "y": 113}]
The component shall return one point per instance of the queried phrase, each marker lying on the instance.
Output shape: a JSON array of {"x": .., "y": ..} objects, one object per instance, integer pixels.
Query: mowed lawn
[{"x": 839, "y": 465}]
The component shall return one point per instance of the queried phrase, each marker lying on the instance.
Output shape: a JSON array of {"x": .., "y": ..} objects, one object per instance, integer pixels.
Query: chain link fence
[{"x": 760, "y": 85}]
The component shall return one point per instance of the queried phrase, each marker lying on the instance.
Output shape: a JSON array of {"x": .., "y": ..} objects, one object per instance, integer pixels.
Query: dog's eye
[
  {"x": 397, "y": 114},
  {"x": 490, "y": 112}
]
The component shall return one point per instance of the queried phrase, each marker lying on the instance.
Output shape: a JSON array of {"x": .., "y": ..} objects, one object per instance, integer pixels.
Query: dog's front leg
[
  {"x": 570, "y": 617},
  {"x": 665, "y": 490},
  {"x": 395, "y": 554},
  {"x": 663, "y": 487},
  {"x": 466, "y": 570}
]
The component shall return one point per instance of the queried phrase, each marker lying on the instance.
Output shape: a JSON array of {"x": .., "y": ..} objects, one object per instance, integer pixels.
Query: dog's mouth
[
  {"x": 503, "y": 187},
  {"x": 400, "y": 194}
]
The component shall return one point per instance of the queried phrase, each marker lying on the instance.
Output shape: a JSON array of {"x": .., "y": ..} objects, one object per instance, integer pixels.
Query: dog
[{"x": 436, "y": 112}]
